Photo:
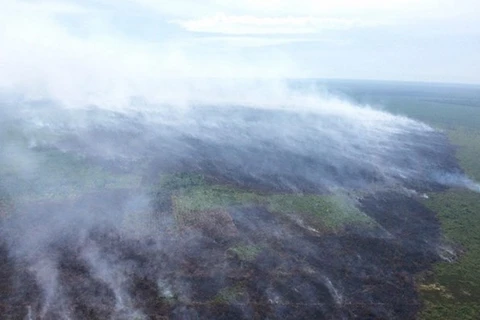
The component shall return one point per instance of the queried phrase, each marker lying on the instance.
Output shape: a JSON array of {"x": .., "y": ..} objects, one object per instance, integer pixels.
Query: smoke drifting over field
[
  {"x": 93, "y": 233},
  {"x": 268, "y": 134}
]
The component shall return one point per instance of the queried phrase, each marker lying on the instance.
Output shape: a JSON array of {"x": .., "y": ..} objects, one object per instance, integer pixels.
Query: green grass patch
[
  {"x": 245, "y": 252},
  {"x": 322, "y": 212},
  {"x": 184, "y": 180},
  {"x": 450, "y": 310},
  {"x": 214, "y": 197}
]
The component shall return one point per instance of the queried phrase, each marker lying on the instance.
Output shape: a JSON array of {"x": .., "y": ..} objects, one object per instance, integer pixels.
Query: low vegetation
[
  {"x": 191, "y": 196},
  {"x": 323, "y": 212},
  {"x": 459, "y": 213},
  {"x": 245, "y": 252}
]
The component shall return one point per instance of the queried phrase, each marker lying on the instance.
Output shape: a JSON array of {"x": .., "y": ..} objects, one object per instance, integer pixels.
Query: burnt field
[
  {"x": 218, "y": 213},
  {"x": 235, "y": 263}
]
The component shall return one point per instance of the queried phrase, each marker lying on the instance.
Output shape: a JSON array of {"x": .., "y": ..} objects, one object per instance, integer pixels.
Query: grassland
[{"x": 452, "y": 291}]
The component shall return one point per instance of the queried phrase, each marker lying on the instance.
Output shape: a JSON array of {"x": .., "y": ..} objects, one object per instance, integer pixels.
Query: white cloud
[
  {"x": 231, "y": 24},
  {"x": 324, "y": 8},
  {"x": 259, "y": 41},
  {"x": 391, "y": 11}
]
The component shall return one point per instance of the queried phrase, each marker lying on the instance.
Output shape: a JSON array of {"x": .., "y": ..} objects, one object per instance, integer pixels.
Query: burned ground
[{"x": 242, "y": 262}]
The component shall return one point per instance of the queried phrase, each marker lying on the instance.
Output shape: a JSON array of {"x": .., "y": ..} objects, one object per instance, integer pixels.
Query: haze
[{"x": 106, "y": 50}]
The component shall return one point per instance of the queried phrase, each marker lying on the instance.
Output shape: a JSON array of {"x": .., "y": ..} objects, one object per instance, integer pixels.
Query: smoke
[
  {"x": 90, "y": 222},
  {"x": 276, "y": 136},
  {"x": 90, "y": 129}
]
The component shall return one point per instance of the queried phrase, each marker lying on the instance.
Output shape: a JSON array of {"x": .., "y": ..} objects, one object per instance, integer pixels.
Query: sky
[{"x": 116, "y": 45}]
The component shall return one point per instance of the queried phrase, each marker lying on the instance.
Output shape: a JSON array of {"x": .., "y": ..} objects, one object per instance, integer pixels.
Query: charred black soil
[{"x": 264, "y": 266}]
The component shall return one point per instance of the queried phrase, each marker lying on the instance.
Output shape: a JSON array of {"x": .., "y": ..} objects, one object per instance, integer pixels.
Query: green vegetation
[
  {"x": 324, "y": 213},
  {"x": 245, "y": 252},
  {"x": 444, "y": 106},
  {"x": 459, "y": 213},
  {"x": 439, "y": 114},
  {"x": 468, "y": 142},
  {"x": 180, "y": 181},
  {"x": 213, "y": 197}
]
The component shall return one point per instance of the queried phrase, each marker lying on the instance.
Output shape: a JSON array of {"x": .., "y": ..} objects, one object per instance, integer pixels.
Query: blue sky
[{"x": 115, "y": 45}]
